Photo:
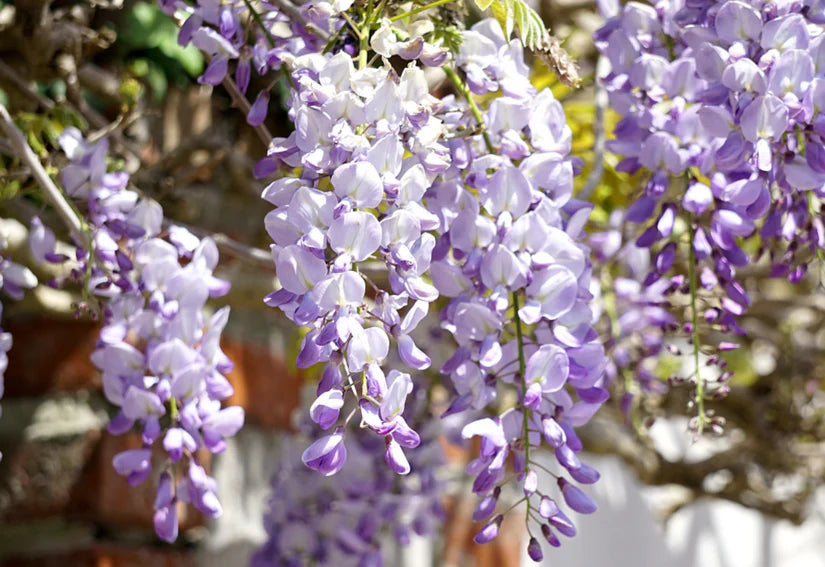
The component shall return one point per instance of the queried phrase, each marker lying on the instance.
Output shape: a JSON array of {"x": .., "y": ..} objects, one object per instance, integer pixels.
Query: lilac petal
[
  {"x": 548, "y": 507},
  {"x": 697, "y": 198},
  {"x": 486, "y": 428},
  {"x": 258, "y": 110},
  {"x": 567, "y": 458},
  {"x": 553, "y": 432},
  {"x": 575, "y": 498},
  {"x": 226, "y": 422},
  {"x": 165, "y": 493},
  {"x": 166, "y": 523},
  {"x": 325, "y": 409},
  {"x": 215, "y": 71},
  {"x": 356, "y": 233},
  {"x": 134, "y": 464},
  {"x": 327, "y": 455},
  {"x": 361, "y": 182},
  {"x": 562, "y": 523},
  {"x": 736, "y": 21},
  {"x": 550, "y": 366},
  {"x": 410, "y": 354},
  {"x": 405, "y": 436},
  {"x": 765, "y": 117},
  {"x": 556, "y": 288},
  {"x": 139, "y": 404},
  {"x": 489, "y": 532},
  {"x": 585, "y": 474},
  {"x": 550, "y": 536},
  {"x": 298, "y": 269},
  {"x": 41, "y": 240},
  {"x": 486, "y": 507},
  {"x": 531, "y": 483},
  {"x": 395, "y": 458},
  {"x": 396, "y": 396}
]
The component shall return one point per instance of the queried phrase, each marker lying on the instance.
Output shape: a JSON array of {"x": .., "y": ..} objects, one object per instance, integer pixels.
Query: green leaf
[
  {"x": 517, "y": 15},
  {"x": 10, "y": 190},
  {"x": 483, "y": 4},
  {"x": 503, "y": 12}
]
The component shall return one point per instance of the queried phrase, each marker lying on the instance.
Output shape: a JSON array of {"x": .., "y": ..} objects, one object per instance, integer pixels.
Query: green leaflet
[{"x": 518, "y": 16}]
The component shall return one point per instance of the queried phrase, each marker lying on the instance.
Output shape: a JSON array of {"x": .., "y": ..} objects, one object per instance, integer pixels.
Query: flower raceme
[
  {"x": 719, "y": 107},
  {"x": 395, "y": 199},
  {"x": 158, "y": 350}
]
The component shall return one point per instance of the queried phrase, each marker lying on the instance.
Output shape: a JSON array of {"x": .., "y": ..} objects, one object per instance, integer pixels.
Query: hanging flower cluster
[
  {"x": 396, "y": 198},
  {"x": 720, "y": 104},
  {"x": 345, "y": 518},
  {"x": 158, "y": 351}
]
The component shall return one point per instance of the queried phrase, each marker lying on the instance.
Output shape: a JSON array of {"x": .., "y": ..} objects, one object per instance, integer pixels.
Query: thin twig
[
  {"x": 243, "y": 104},
  {"x": 295, "y": 15},
  {"x": 11, "y": 76},
  {"x": 238, "y": 249},
  {"x": 53, "y": 194}
]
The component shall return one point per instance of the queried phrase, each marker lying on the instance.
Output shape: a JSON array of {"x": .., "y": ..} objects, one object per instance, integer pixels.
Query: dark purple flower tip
[
  {"x": 548, "y": 534},
  {"x": 575, "y": 498},
  {"x": 489, "y": 532},
  {"x": 534, "y": 550}
]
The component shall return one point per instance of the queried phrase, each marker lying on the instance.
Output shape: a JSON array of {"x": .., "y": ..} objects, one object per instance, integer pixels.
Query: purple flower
[
  {"x": 258, "y": 110},
  {"x": 575, "y": 498},
  {"x": 328, "y": 454},
  {"x": 134, "y": 464},
  {"x": 489, "y": 532},
  {"x": 534, "y": 550}
]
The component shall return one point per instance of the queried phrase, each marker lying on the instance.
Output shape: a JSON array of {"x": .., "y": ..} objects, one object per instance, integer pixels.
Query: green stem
[
  {"x": 257, "y": 17},
  {"x": 173, "y": 410},
  {"x": 364, "y": 47},
  {"x": 468, "y": 96},
  {"x": 521, "y": 368},
  {"x": 271, "y": 40},
  {"x": 418, "y": 10},
  {"x": 694, "y": 286}
]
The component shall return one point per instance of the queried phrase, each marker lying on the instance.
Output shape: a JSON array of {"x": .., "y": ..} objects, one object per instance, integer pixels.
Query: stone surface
[{"x": 46, "y": 443}]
